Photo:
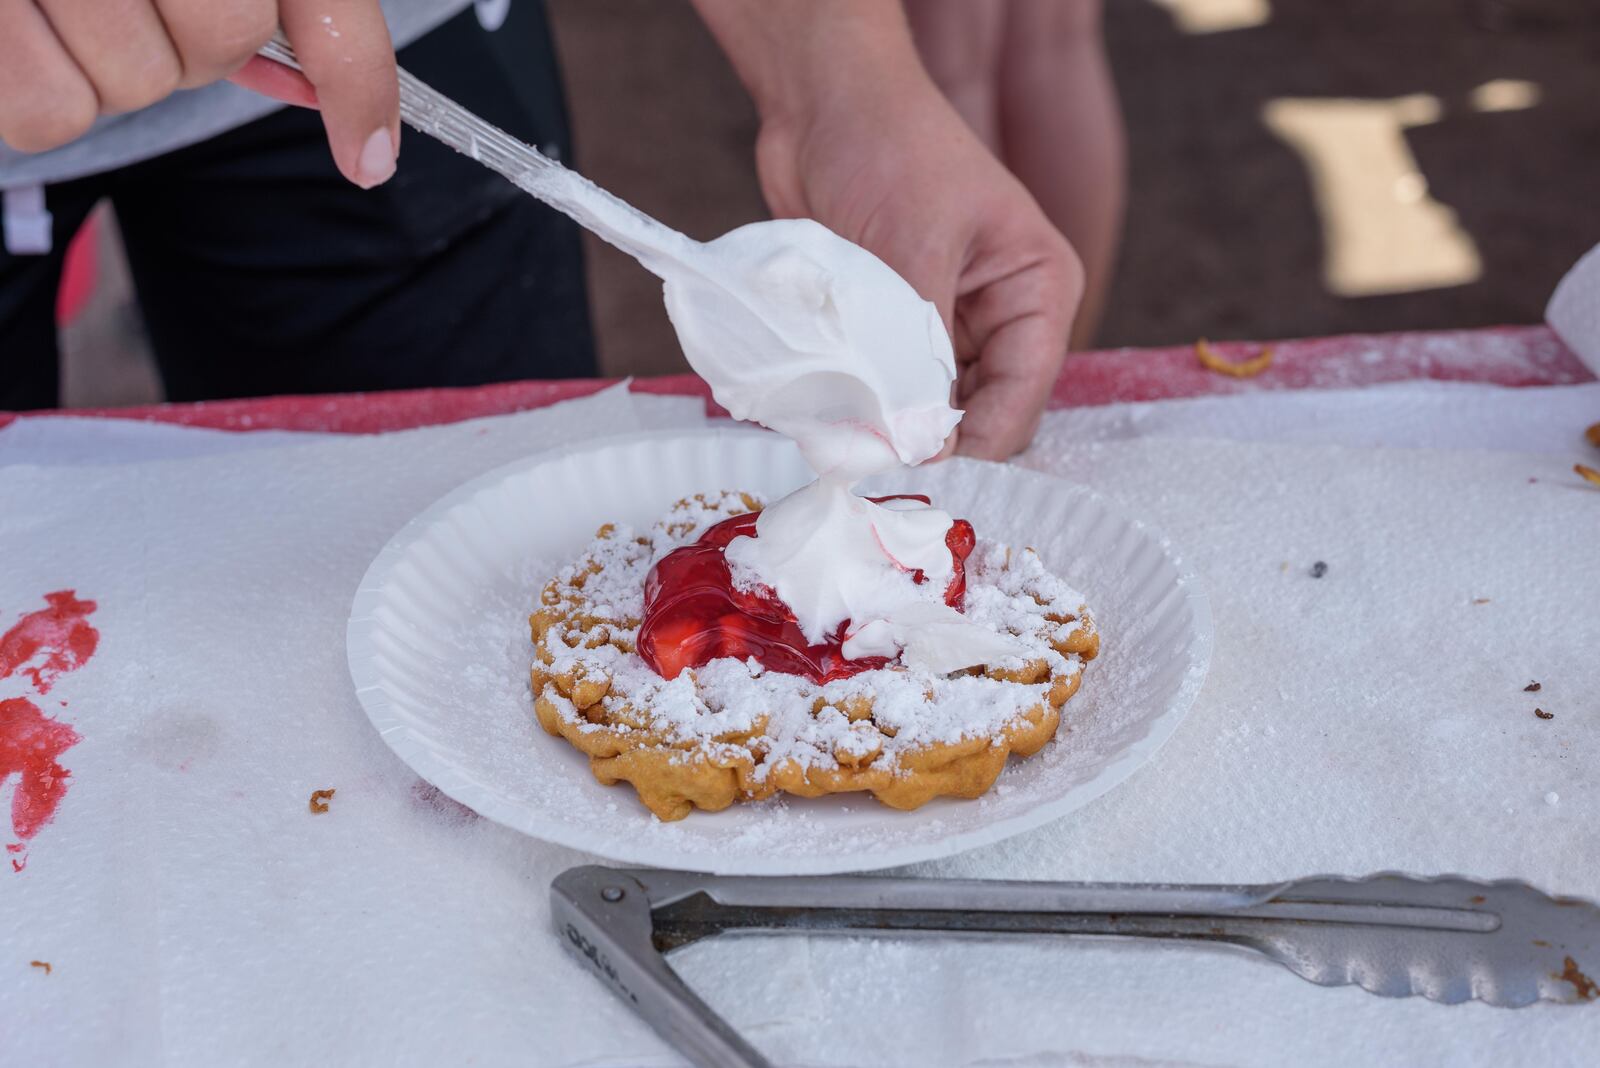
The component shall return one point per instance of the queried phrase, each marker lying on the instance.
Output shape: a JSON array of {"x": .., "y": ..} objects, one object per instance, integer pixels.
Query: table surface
[
  {"x": 186, "y": 901},
  {"x": 1506, "y": 356}
]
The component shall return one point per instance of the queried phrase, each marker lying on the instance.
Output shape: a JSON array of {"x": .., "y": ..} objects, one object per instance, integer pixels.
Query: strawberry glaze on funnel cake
[
  {"x": 695, "y": 614},
  {"x": 714, "y": 695}
]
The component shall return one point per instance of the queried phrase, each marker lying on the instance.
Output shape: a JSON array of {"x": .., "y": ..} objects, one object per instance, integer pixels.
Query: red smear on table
[
  {"x": 61, "y": 632},
  {"x": 31, "y": 745},
  {"x": 42, "y": 646}
]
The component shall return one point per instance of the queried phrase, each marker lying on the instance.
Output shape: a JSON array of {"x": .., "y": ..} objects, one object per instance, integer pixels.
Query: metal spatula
[{"x": 1448, "y": 938}]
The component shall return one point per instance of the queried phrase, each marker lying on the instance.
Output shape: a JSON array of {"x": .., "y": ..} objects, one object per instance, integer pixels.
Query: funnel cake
[{"x": 732, "y": 730}]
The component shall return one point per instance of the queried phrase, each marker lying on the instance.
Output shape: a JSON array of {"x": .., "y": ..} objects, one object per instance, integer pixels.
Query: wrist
[{"x": 802, "y": 59}]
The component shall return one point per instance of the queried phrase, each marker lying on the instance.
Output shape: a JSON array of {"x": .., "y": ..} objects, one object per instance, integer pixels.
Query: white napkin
[
  {"x": 65, "y": 439},
  {"x": 1574, "y": 309},
  {"x": 195, "y": 912},
  {"x": 1422, "y": 414}
]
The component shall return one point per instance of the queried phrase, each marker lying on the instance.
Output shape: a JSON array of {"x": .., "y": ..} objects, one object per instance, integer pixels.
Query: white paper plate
[{"x": 439, "y": 650}]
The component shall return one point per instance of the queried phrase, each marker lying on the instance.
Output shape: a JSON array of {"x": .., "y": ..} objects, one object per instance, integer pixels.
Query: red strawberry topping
[{"x": 693, "y": 614}]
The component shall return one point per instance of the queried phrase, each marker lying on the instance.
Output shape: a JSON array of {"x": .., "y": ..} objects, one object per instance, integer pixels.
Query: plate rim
[{"x": 492, "y": 804}]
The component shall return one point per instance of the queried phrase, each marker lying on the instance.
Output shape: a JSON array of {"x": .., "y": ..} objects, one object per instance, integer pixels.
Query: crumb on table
[
  {"x": 1586, "y": 987},
  {"x": 1212, "y": 360},
  {"x": 320, "y": 799}
]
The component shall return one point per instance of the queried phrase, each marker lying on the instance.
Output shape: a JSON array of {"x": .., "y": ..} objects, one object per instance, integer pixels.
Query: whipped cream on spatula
[
  {"x": 804, "y": 332},
  {"x": 811, "y": 335}
]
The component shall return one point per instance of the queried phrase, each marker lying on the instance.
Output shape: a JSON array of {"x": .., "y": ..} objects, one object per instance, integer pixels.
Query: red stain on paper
[
  {"x": 46, "y": 644},
  {"x": 41, "y": 647},
  {"x": 31, "y": 745}
]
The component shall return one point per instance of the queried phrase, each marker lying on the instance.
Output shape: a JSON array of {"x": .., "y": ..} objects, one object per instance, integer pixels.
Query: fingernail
[{"x": 376, "y": 163}]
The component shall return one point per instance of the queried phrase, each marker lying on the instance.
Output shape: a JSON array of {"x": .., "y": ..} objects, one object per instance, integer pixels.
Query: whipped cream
[
  {"x": 804, "y": 332},
  {"x": 811, "y": 335},
  {"x": 801, "y": 331}
]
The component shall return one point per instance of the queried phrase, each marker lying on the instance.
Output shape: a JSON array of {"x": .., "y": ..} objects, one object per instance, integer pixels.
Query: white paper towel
[
  {"x": 194, "y": 911},
  {"x": 1420, "y": 414},
  {"x": 1431, "y": 415},
  {"x": 65, "y": 439}
]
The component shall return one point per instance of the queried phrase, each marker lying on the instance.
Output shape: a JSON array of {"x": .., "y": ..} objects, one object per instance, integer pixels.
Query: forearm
[{"x": 802, "y": 55}]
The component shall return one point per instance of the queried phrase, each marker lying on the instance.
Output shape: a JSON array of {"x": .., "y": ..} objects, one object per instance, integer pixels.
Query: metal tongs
[{"x": 1449, "y": 939}]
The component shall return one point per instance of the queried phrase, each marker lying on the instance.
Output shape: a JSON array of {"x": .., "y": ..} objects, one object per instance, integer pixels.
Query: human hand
[
  {"x": 65, "y": 62},
  {"x": 881, "y": 159}
]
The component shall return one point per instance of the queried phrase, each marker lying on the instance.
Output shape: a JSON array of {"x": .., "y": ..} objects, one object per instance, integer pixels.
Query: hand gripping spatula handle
[{"x": 1448, "y": 938}]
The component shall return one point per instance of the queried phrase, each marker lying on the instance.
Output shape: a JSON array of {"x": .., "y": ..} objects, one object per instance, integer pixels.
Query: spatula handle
[{"x": 429, "y": 111}]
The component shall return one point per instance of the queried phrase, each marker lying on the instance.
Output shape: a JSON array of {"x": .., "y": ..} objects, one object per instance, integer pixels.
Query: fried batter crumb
[
  {"x": 1589, "y": 474},
  {"x": 1212, "y": 360},
  {"x": 320, "y": 799},
  {"x": 1586, "y": 988},
  {"x": 41, "y": 964}
]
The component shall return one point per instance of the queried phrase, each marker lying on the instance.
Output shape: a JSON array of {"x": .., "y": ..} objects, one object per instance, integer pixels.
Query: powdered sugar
[{"x": 783, "y": 718}]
